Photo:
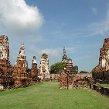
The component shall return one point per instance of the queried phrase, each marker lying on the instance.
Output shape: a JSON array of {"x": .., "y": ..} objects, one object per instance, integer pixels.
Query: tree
[
  {"x": 84, "y": 72},
  {"x": 75, "y": 69},
  {"x": 93, "y": 70},
  {"x": 94, "y": 73},
  {"x": 57, "y": 67}
]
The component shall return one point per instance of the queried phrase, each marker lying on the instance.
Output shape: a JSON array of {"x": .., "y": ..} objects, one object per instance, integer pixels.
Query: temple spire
[
  {"x": 64, "y": 54},
  {"x": 64, "y": 51},
  {"x": 34, "y": 59}
]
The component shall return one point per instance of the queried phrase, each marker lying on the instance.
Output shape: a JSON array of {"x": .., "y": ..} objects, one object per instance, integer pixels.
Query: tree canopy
[
  {"x": 84, "y": 72},
  {"x": 93, "y": 70},
  {"x": 57, "y": 67},
  {"x": 75, "y": 69}
]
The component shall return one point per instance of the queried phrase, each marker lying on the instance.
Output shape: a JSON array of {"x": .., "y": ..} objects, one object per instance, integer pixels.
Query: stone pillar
[{"x": 34, "y": 70}]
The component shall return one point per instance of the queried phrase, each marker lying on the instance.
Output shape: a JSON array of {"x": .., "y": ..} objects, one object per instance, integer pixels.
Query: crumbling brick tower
[
  {"x": 4, "y": 53},
  {"x": 66, "y": 74},
  {"x": 104, "y": 55},
  {"x": 103, "y": 67},
  {"x": 5, "y": 67},
  {"x": 34, "y": 70},
  {"x": 20, "y": 74}
]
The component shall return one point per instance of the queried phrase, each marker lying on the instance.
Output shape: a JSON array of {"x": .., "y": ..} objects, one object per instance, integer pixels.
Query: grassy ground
[{"x": 49, "y": 96}]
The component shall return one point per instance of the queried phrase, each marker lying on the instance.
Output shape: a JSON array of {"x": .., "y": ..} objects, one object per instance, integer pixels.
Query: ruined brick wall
[
  {"x": 75, "y": 80},
  {"x": 65, "y": 80}
]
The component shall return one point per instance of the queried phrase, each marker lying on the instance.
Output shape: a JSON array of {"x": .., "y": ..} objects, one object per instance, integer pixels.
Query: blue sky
[{"x": 49, "y": 25}]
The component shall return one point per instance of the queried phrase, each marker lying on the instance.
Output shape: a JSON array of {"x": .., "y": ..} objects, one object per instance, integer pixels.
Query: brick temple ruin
[
  {"x": 102, "y": 69},
  {"x": 68, "y": 78},
  {"x": 18, "y": 75},
  {"x": 5, "y": 66},
  {"x": 66, "y": 74}
]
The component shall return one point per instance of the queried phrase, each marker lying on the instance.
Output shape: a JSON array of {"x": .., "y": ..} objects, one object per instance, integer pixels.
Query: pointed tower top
[
  {"x": 22, "y": 46},
  {"x": 34, "y": 59},
  {"x": 64, "y": 54},
  {"x": 64, "y": 51},
  {"x": 21, "y": 55}
]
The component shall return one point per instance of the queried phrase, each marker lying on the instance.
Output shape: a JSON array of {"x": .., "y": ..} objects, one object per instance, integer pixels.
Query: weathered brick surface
[
  {"x": 5, "y": 67},
  {"x": 76, "y": 80},
  {"x": 102, "y": 69},
  {"x": 34, "y": 70},
  {"x": 20, "y": 71},
  {"x": 18, "y": 75},
  {"x": 65, "y": 81}
]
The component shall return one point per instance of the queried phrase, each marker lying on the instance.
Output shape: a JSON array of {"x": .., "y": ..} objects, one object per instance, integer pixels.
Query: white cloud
[
  {"x": 51, "y": 52},
  {"x": 18, "y": 17},
  {"x": 54, "y": 55},
  {"x": 54, "y": 52}
]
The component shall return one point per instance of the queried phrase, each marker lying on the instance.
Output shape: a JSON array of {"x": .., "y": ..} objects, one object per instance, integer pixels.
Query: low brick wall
[{"x": 100, "y": 89}]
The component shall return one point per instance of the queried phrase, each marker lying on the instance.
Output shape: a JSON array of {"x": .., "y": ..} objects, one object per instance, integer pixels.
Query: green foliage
[
  {"x": 93, "y": 70},
  {"x": 84, "y": 72},
  {"x": 57, "y": 67},
  {"x": 49, "y": 96},
  {"x": 75, "y": 69}
]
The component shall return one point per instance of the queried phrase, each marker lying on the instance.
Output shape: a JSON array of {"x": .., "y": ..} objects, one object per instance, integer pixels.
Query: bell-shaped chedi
[
  {"x": 20, "y": 74},
  {"x": 102, "y": 69},
  {"x": 34, "y": 70},
  {"x": 44, "y": 66}
]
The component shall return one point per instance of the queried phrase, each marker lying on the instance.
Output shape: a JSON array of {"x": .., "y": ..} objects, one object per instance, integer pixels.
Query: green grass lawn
[{"x": 49, "y": 96}]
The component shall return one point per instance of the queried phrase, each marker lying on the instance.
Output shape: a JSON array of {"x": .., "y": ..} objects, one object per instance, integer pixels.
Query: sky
[{"x": 46, "y": 26}]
